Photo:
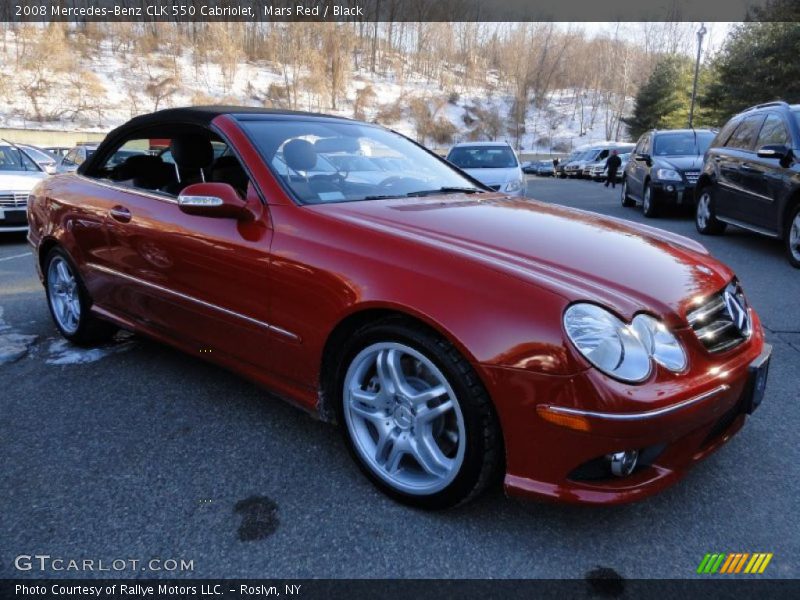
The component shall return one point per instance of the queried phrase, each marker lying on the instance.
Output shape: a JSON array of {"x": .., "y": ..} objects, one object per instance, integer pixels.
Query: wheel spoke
[
  {"x": 426, "y": 414},
  {"x": 370, "y": 413},
  {"x": 63, "y": 273},
  {"x": 425, "y": 396},
  {"x": 429, "y": 456},
  {"x": 392, "y": 464},
  {"x": 390, "y": 372}
]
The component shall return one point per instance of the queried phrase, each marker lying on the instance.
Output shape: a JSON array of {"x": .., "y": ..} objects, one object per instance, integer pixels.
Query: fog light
[
  {"x": 670, "y": 188},
  {"x": 623, "y": 463}
]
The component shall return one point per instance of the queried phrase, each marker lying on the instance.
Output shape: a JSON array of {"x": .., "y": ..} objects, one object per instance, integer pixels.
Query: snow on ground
[
  {"x": 62, "y": 352},
  {"x": 205, "y": 82}
]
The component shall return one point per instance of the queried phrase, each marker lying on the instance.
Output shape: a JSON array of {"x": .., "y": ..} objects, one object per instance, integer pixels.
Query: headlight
[
  {"x": 659, "y": 342},
  {"x": 606, "y": 342},
  {"x": 668, "y": 175},
  {"x": 514, "y": 186}
]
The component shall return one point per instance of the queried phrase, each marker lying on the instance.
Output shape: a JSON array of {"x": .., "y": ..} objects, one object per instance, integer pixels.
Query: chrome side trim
[
  {"x": 753, "y": 228},
  {"x": 127, "y": 190},
  {"x": 264, "y": 324},
  {"x": 638, "y": 416}
]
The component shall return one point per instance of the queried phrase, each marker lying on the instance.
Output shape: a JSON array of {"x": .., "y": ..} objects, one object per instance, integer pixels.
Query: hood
[
  {"x": 576, "y": 254},
  {"x": 680, "y": 163},
  {"x": 495, "y": 176},
  {"x": 20, "y": 181}
]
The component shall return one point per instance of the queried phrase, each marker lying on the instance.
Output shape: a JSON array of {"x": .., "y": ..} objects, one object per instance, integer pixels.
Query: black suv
[
  {"x": 664, "y": 168},
  {"x": 751, "y": 177}
]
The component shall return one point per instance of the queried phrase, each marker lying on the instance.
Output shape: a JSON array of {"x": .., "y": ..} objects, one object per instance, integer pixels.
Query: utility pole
[{"x": 700, "y": 33}]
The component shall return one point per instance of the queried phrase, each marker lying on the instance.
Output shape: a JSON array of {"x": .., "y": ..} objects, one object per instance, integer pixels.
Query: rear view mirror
[
  {"x": 214, "y": 200},
  {"x": 778, "y": 151},
  {"x": 642, "y": 157}
]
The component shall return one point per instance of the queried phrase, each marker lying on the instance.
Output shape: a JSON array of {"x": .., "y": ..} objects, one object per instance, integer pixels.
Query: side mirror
[
  {"x": 643, "y": 157},
  {"x": 778, "y": 151},
  {"x": 218, "y": 200},
  {"x": 50, "y": 169}
]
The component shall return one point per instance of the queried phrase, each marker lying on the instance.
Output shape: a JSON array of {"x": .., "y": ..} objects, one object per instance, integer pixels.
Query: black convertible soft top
[{"x": 173, "y": 121}]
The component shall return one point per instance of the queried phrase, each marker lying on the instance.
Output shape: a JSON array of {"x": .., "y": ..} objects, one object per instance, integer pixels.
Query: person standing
[{"x": 612, "y": 166}]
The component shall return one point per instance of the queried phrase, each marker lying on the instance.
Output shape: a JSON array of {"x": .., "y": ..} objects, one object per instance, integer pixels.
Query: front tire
[
  {"x": 415, "y": 416},
  {"x": 705, "y": 219},
  {"x": 627, "y": 201},
  {"x": 69, "y": 302},
  {"x": 649, "y": 204},
  {"x": 791, "y": 237}
]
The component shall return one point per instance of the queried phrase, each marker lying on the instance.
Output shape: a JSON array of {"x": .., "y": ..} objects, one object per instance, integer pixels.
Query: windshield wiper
[{"x": 447, "y": 190}]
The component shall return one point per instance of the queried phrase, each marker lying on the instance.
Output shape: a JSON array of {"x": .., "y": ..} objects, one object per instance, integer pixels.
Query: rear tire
[
  {"x": 791, "y": 237},
  {"x": 705, "y": 218},
  {"x": 433, "y": 462},
  {"x": 627, "y": 201},
  {"x": 69, "y": 302},
  {"x": 649, "y": 205}
]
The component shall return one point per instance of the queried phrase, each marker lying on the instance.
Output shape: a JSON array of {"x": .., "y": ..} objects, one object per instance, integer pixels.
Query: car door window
[
  {"x": 773, "y": 132},
  {"x": 745, "y": 135}
]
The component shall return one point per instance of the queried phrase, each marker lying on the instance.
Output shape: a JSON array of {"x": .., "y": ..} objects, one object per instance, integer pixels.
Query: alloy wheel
[
  {"x": 794, "y": 237},
  {"x": 703, "y": 210},
  {"x": 64, "y": 296},
  {"x": 404, "y": 418}
]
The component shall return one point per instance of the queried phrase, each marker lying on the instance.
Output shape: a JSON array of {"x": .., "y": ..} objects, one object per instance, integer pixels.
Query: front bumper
[
  {"x": 674, "y": 423},
  {"x": 673, "y": 192}
]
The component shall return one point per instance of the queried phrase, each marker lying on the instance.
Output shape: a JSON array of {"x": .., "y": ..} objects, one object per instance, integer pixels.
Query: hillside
[{"x": 109, "y": 75}]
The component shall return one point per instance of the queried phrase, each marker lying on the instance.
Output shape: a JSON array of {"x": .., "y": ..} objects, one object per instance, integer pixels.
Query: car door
[
  {"x": 199, "y": 280},
  {"x": 732, "y": 164},
  {"x": 762, "y": 178}
]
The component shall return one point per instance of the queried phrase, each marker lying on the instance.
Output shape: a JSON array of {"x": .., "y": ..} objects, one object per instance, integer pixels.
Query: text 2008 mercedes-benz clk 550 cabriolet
[{"x": 454, "y": 333}]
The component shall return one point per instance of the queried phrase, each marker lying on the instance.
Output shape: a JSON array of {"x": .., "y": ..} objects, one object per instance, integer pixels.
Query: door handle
[
  {"x": 121, "y": 214},
  {"x": 748, "y": 167}
]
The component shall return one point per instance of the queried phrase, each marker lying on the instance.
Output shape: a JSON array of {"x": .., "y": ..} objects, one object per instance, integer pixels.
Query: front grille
[
  {"x": 723, "y": 321},
  {"x": 692, "y": 176},
  {"x": 13, "y": 199}
]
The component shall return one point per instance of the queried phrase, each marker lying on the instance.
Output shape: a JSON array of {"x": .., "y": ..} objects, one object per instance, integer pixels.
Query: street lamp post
[{"x": 700, "y": 33}]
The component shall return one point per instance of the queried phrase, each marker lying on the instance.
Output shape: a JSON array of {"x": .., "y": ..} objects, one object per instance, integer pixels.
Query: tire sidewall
[
  {"x": 787, "y": 237},
  {"x": 425, "y": 343}
]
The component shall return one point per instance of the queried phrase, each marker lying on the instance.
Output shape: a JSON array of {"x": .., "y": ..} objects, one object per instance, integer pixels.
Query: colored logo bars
[{"x": 735, "y": 562}]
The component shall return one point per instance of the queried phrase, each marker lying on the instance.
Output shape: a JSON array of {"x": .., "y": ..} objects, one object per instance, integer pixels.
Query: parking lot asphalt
[{"x": 136, "y": 451}]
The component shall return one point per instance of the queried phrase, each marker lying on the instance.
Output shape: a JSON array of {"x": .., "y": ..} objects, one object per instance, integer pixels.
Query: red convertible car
[{"x": 454, "y": 333}]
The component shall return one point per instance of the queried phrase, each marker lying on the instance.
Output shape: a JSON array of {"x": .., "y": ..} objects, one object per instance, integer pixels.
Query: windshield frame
[{"x": 292, "y": 195}]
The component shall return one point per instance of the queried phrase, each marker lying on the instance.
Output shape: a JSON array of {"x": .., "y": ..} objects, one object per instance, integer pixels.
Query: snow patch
[
  {"x": 62, "y": 352},
  {"x": 14, "y": 346}
]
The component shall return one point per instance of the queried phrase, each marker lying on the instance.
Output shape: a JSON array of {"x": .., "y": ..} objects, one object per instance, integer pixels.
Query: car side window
[
  {"x": 745, "y": 135},
  {"x": 724, "y": 135},
  {"x": 773, "y": 132}
]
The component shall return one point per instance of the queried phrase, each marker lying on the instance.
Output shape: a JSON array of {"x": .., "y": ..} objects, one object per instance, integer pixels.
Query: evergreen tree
[
  {"x": 663, "y": 101},
  {"x": 757, "y": 64}
]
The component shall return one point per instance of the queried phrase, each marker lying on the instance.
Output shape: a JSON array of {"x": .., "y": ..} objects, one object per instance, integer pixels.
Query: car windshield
[
  {"x": 13, "y": 159},
  {"x": 683, "y": 143},
  {"x": 38, "y": 155},
  {"x": 483, "y": 157},
  {"x": 335, "y": 161}
]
